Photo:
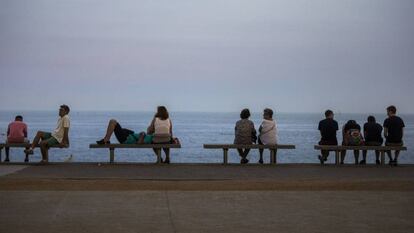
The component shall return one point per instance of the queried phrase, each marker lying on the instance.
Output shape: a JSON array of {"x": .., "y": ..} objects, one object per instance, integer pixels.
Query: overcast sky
[{"x": 210, "y": 55}]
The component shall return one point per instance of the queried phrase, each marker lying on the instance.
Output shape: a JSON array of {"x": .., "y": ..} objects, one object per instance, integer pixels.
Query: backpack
[{"x": 355, "y": 138}]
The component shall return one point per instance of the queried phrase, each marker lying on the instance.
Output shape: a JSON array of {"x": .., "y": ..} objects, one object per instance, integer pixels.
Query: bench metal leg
[
  {"x": 382, "y": 157},
  {"x": 273, "y": 156},
  {"x": 225, "y": 155},
  {"x": 337, "y": 153},
  {"x": 274, "y": 152},
  {"x": 111, "y": 155}
]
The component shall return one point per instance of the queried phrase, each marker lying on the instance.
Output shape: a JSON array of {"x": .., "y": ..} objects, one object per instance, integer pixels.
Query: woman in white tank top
[{"x": 161, "y": 129}]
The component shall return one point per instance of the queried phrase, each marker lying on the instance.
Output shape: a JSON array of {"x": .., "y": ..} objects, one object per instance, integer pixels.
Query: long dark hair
[{"x": 162, "y": 113}]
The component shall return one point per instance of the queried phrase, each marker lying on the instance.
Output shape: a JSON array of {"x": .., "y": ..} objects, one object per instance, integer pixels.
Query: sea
[{"x": 193, "y": 130}]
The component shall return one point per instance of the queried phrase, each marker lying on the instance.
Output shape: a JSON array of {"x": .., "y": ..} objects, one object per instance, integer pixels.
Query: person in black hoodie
[{"x": 372, "y": 135}]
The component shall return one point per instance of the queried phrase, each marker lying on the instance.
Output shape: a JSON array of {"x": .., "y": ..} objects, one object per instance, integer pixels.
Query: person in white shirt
[
  {"x": 161, "y": 130},
  {"x": 267, "y": 131},
  {"x": 60, "y": 136}
]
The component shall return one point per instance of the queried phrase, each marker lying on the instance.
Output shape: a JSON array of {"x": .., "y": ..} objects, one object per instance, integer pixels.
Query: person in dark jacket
[
  {"x": 372, "y": 135},
  {"x": 327, "y": 128},
  {"x": 245, "y": 134},
  {"x": 393, "y": 132}
]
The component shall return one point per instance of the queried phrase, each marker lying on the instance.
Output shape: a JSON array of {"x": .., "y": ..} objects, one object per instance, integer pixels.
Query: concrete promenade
[{"x": 70, "y": 197}]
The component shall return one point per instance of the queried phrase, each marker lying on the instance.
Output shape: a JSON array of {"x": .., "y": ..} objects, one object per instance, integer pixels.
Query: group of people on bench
[
  {"x": 160, "y": 131},
  {"x": 245, "y": 133},
  {"x": 372, "y": 135}
]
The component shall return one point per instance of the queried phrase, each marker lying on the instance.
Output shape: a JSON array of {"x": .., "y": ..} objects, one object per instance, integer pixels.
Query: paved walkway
[{"x": 206, "y": 198}]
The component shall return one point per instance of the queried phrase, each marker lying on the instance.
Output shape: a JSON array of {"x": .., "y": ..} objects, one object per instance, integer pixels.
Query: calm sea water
[{"x": 193, "y": 130}]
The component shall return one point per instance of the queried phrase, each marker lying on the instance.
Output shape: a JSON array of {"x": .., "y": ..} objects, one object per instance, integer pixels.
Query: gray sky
[{"x": 215, "y": 55}]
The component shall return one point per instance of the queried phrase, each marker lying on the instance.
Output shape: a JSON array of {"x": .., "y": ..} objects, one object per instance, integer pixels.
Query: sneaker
[
  {"x": 261, "y": 161},
  {"x": 378, "y": 162},
  {"x": 102, "y": 142},
  {"x": 7, "y": 160},
  {"x": 363, "y": 162},
  {"x": 391, "y": 162},
  {"x": 322, "y": 160},
  {"x": 395, "y": 163}
]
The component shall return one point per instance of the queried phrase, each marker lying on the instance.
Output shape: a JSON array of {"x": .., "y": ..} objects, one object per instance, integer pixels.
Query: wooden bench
[
  {"x": 112, "y": 147},
  {"x": 225, "y": 147},
  {"x": 338, "y": 149},
  {"x": 22, "y": 145}
]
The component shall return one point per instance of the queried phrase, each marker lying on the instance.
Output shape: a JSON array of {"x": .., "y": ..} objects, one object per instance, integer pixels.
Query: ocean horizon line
[{"x": 193, "y": 111}]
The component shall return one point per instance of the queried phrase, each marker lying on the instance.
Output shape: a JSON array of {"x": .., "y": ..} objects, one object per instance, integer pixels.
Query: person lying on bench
[
  {"x": 60, "y": 136},
  {"x": 16, "y": 133},
  {"x": 123, "y": 135}
]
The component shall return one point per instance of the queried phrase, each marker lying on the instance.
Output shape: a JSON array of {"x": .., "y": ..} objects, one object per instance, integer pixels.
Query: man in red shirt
[{"x": 16, "y": 133}]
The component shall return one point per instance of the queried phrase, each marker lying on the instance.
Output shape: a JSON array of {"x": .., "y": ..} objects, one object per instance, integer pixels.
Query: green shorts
[{"x": 51, "y": 141}]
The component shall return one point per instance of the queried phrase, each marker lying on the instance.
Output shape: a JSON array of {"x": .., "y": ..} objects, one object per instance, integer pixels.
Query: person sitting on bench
[
  {"x": 327, "y": 128},
  {"x": 60, "y": 136},
  {"x": 267, "y": 131},
  {"x": 16, "y": 133},
  {"x": 372, "y": 135},
  {"x": 393, "y": 132},
  {"x": 161, "y": 129},
  {"x": 245, "y": 133},
  {"x": 351, "y": 136}
]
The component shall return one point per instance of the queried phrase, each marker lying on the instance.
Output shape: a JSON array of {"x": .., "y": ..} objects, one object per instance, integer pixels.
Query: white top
[
  {"x": 62, "y": 123},
  {"x": 268, "y": 134},
  {"x": 162, "y": 126}
]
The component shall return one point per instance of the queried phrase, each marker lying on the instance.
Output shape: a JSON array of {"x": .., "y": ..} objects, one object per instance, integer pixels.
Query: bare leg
[
  {"x": 167, "y": 155},
  {"x": 156, "y": 151},
  {"x": 36, "y": 140},
  {"x": 110, "y": 130},
  {"x": 44, "y": 149}
]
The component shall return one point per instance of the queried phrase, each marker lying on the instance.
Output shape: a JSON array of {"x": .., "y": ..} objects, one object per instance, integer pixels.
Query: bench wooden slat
[
  {"x": 333, "y": 148},
  {"x": 24, "y": 145},
  {"x": 338, "y": 149},
  {"x": 112, "y": 147},
  {"x": 150, "y": 146},
  {"x": 225, "y": 147},
  {"x": 248, "y": 146}
]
